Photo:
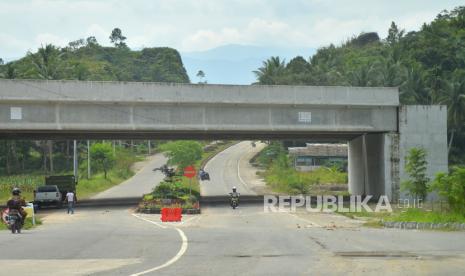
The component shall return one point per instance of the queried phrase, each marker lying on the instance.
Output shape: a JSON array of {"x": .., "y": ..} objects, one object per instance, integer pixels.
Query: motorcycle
[
  {"x": 14, "y": 222},
  {"x": 204, "y": 176},
  {"x": 234, "y": 202}
]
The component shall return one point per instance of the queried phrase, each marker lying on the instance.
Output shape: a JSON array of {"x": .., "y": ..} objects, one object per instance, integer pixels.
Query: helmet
[
  {"x": 16, "y": 191},
  {"x": 234, "y": 188}
]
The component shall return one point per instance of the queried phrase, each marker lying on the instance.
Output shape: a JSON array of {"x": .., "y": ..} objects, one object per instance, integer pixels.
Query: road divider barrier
[{"x": 171, "y": 214}]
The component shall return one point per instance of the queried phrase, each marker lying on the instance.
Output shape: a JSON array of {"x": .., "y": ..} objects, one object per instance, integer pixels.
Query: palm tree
[
  {"x": 271, "y": 71},
  {"x": 46, "y": 62},
  {"x": 454, "y": 98},
  {"x": 414, "y": 90},
  {"x": 364, "y": 75}
]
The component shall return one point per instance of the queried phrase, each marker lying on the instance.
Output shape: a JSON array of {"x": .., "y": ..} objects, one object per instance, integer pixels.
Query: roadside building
[{"x": 314, "y": 156}]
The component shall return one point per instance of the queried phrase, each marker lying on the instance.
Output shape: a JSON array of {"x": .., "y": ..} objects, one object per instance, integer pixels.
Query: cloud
[
  {"x": 48, "y": 38},
  {"x": 257, "y": 32},
  {"x": 203, "y": 24}
]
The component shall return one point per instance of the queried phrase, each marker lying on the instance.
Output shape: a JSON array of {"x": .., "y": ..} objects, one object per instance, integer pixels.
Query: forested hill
[
  {"x": 90, "y": 61},
  {"x": 428, "y": 66}
]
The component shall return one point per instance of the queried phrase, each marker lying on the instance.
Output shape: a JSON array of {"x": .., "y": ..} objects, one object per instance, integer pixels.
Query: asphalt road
[
  {"x": 231, "y": 168},
  {"x": 141, "y": 183},
  {"x": 222, "y": 241}
]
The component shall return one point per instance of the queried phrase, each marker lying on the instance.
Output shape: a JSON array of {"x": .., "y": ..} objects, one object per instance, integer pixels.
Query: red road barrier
[{"x": 171, "y": 214}]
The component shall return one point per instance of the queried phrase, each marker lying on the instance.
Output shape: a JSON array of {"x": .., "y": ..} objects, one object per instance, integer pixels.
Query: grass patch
[
  {"x": 421, "y": 215},
  {"x": 27, "y": 224},
  {"x": 376, "y": 219},
  {"x": 89, "y": 187},
  {"x": 290, "y": 181},
  {"x": 27, "y": 184}
]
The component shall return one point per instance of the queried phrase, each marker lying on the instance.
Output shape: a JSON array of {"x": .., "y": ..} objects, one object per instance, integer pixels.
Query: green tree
[
  {"x": 394, "y": 34},
  {"x": 271, "y": 71},
  {"x": 414, "y": 89},
  {"x": 74, "y": 45},
  {"x": 118, "y": 38},
  {"x": 454, "y": 98},
  {"x": 46, "y": 62},
  {"x": 201, "y": 76},
  {"x": 416, "y": 166},
  {"x": 91, "y": 41},
  {"x": 451, "y": 186},
  {"x": 10, "y": 72},
  {"x": 182, "y": 153},
  {"x": 102, "y": 157}
]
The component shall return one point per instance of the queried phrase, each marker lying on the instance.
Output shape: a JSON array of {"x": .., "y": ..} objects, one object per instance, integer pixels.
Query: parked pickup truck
[
  {"x": 54, "y": 190},
  {"x": 48, "y": 195}
]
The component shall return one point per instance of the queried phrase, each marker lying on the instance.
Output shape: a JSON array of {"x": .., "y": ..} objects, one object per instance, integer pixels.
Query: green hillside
[
  {"x": 90, "y": 61},
  {"x": 428, "y": 66}
]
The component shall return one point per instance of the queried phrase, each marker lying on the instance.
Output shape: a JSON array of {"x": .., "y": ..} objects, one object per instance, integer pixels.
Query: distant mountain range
[{"x": 233, "y": 64}]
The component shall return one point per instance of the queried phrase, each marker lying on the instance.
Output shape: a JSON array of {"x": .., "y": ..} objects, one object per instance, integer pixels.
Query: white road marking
[
  {"x": 239, "y": 171},
  {"x": 246, "y": 187},
  {"x": 189, "y": 219},
  {"x": 181, "y": 251},
  {"x": 149, "y": 221}
]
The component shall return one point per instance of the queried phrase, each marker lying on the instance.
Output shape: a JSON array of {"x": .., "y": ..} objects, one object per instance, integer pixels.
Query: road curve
[
  {"x": 230, "y": 168},
  {"x": 141, "y": 183}
]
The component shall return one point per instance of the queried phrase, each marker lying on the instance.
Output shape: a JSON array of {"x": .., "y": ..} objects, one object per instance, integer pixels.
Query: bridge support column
[{"x": 372, "y": 170}]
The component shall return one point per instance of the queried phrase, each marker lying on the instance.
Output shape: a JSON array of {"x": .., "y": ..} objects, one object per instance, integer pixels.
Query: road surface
[
  {"x": 141, "y": 183},
  {"x": 231, "y": 168},
  {"x": 222, "y": 241}
]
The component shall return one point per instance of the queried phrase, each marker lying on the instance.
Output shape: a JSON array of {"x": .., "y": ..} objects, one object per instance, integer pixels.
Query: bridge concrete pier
[
  {"x": 377, "y": 161},
  {"x": 372, "y": 165}
]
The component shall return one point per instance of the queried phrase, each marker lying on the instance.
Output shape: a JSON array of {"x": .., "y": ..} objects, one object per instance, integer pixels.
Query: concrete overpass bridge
[{"x": 379, "y": 131}]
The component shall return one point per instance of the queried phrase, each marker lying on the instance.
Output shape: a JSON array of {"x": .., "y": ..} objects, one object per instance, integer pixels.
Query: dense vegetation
[
  {"x": 109, "y": 166},
  {"x": 428, "y": 66},
  {"x": 83, "y": 59},
  {"x": 87, "y": 60},
  {"x": 281, "y": 177}
]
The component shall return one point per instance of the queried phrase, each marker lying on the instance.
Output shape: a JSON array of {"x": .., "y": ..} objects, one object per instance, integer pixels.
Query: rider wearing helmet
[
  {"x": 234, "y": 192},
  {"x": 16, "y": 203}
]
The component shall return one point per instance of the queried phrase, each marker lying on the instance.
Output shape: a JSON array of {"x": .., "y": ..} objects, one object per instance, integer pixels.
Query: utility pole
[
  {"x": 150, "y": 147},
  {"x": 88, "y": 159},
  {"x": 75, "y": 160}
]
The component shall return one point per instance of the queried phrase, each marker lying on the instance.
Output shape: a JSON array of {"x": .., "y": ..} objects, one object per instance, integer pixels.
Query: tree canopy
[
  {"x": 428, "y": 66},
  {"x": 87, "y": 60}
]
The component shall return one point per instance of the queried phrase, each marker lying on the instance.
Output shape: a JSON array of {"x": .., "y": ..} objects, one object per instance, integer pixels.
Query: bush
[
  {"x": 416, "y": 166},
  {"x": 174, "y": 191},
  {"x": 451, "y": 186},
  {"x": 182, "y": 153}
]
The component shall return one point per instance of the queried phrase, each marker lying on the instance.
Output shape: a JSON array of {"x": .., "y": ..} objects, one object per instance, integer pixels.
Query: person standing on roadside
[{"x": 71, "y": 198}]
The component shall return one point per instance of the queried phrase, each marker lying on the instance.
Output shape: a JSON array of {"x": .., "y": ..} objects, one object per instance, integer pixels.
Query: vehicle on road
[
  {"x": 203, "y": 175},
  {"x": 234, "y": 202},
  {"x": 54, "y": 191},
  {"x": 48, "y": 195},
  {"x": 14, "y": 221},
  {"x": 234, "y": 198}
]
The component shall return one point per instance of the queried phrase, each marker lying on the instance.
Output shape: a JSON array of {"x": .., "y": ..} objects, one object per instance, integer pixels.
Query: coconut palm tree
[
  {"x": 454, "y": 98},
  {"x": 46, "y": 62},
  {"x": 272, "y": 69}
]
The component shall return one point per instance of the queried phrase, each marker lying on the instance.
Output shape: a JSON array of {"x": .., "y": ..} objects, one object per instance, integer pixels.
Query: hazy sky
[{"x": 204, "y": 24}]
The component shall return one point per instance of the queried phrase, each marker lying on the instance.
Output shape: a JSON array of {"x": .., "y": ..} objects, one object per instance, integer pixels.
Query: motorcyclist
[
  {"x": 204, "y": 175},
  {"x": 234, "y": 193},
  {"x": 16, "y": 203}
]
